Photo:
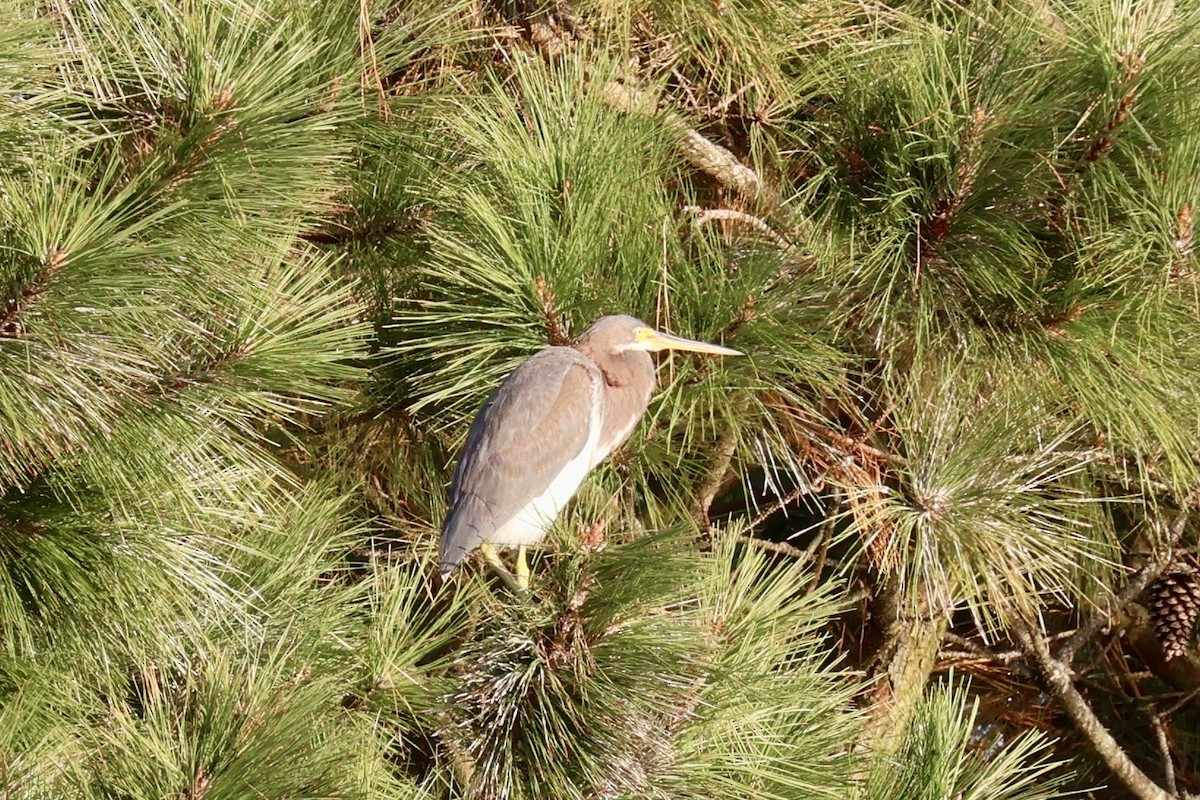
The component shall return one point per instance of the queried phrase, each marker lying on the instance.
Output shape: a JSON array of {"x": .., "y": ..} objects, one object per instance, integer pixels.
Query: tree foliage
[{"x": 261, "y": 260}]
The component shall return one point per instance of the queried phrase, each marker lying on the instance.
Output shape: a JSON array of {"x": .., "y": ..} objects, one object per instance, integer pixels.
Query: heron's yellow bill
[{"x": 657, "y": 340}]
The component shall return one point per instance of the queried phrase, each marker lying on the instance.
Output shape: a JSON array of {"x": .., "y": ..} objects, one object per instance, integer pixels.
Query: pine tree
[{"x": 261, "y": 260}]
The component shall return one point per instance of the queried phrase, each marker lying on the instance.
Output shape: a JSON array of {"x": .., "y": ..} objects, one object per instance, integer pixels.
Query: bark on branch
[
  {"x": 715, "y": 478},
  {"x": 906, "y": 658},
  {"x": 1099, "y": 619},
  {"x": 1058, "y": 679},
  {"x": 1159, "y": 563},
  {"x": 705, "y": 215},
  {"x": 706, "y": 156}
]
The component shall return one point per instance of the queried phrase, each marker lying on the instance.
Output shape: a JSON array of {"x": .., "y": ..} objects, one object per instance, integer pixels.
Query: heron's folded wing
[{"x": 531, "y": 427}]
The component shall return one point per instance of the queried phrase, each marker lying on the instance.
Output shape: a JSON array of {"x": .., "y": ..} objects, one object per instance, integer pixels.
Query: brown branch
[
  {"x": 849, "y": 445},
  {"x": 371, "y": 78},
  {"x": 200, "y": 374},
  {"x": 1143, "y": 578},
  {"x": 1098, "y": 620},
  {"x": 715, "y": 478},
  {"x": 1164, "y": 749},
  {"x": 706, "y": 156},
  {"x": 15, "y": 307},
  {"x": 903, "y": 663},
  {"x": 706, "y": 215},
  {"x": 1183, "y": 234},
  {"x": 1104, "y": 142},
  {"x": 337, "y": 230},
  {"x": 977, "y": 651},
  {"x": 1058, "y": 679},
  {"x": 1184, "y": 699},
  {"x": 557, "y": 331},
  {"x": 782, "y": 548},
  {"x": 937, "y": 227},
  {"x": 778, "y": 505},
  {"x": 821, "y": 544},
  {"x": 179, "y": 172}
]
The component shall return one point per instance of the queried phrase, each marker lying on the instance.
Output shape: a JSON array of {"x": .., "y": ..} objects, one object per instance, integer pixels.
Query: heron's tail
[{"x": 458, "y": 539}]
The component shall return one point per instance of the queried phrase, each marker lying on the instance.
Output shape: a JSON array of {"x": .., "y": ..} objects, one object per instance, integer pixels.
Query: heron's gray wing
[{"x": 530, "y": 428}]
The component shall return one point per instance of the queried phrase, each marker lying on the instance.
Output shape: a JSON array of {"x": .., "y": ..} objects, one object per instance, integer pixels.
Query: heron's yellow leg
[
  {"x": 497, "y": 564},
  {"x": 522, "y": 567}
]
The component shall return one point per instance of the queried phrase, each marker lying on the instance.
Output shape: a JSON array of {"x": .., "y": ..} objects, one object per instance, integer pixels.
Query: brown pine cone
[{"x": 1174, "y": 606}]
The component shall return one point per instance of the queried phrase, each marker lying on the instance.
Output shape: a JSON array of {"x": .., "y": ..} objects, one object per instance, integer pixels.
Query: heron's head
[{"x": 622, "y": 334}]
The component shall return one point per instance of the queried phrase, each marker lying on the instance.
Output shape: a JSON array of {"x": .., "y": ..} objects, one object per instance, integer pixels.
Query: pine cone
[{"x": 1174, "y": 606}]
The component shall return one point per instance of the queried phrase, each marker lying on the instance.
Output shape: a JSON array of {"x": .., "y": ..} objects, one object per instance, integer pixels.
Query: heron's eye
[{"x": 639, "y": 339}]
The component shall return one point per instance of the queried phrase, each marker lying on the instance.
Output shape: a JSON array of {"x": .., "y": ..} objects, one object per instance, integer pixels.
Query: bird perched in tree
[{"x": 543, "y": 430}]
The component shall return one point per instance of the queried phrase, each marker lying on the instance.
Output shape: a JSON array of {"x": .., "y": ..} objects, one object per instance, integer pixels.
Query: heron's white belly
[{"x": 532, "y": 522}]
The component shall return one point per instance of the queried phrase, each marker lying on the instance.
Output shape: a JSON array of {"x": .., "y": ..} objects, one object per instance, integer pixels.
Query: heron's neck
[{"x": 630, "y": 382}]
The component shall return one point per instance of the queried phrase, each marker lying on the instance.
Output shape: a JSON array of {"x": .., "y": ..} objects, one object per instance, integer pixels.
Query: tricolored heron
[{"x": 551, "y": 421}]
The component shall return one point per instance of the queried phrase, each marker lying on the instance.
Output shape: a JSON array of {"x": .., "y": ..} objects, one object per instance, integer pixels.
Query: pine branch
[
  {"x": 906, "y": 659},
  {"x": 781, "y": 548},
  {"x": 1164, "y": 748},
  {"x": 715, "y": 478},
  {"x": 1132, "y": 590},
  {"x": 706, "y": 215},
  {"x": 938, "y": 226},
  {"x": 1058, "y": 679},
  {"x": 558, "y": 332},
  {"x": 706, "y": 156},
  {"x": 1161, "y": 562},
  {"x": 1102, "y": 144},
  {"x": 18, "y": 303}
]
